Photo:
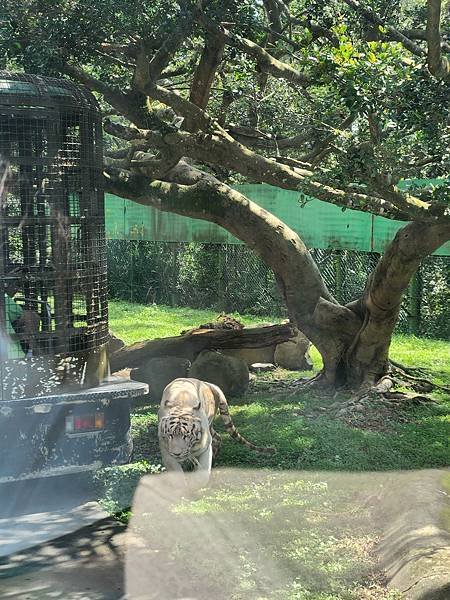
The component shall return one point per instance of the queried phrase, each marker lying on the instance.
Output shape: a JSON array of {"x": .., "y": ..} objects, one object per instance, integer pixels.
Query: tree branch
[
  {"x": 438, "y": 65},
  {"x": 215, "y": 146},
  {"x": 123, "y": 132},
  {"x": 317, "y": 31},
  {"x": 209, "y": 199},
  {"x": 273, "y": 13},
  {"x": 391, "y": 32},
  {"x": 227, "y": 152},
  {"x": 191, "y": 112},
  {"x": 129, "y": 50},
  {"x": 387, "y": 285},
  {"x": 126, "y": 104},
  {"x": 323, "y": 146},
  {"x": 254, "y": 138},
  {"x": 266, "y": 62},
  {"x": 111, "y": 94},
  {"x": 278, "y": 246},
  {"x": 115, "y": 59},
  {"x": 206, "y": 70},
  {"x": 165, "y": 52},
  {"x": 222, "y": 150},
  {"x": 421, "y": 34}
]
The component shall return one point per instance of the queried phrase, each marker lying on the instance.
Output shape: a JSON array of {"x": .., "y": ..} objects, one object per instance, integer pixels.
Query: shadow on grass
[
  {"x": 323, "y": 442},
  {"x": 320, "y": 442}
]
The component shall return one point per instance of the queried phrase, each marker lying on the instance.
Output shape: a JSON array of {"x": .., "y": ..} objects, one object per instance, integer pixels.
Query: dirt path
[{"x": 236, "y": 543}]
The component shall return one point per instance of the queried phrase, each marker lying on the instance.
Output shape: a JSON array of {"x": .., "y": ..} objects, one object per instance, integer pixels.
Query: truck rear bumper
[{"x": 35, "y": 442}]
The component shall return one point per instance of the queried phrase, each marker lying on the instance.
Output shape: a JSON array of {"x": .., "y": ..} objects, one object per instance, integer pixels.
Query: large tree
[{"x": 335, "y": 99}]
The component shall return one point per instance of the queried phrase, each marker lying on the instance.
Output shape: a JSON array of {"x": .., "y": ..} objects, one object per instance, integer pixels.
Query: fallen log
[{"x": 192, "y": 343}]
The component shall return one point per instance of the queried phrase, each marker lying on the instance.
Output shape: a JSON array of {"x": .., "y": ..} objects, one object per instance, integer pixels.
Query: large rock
[
  {"x": 294, "y": 354},
  {"x": 114, "y": 343},
  {"x": 228, "y": 372},
  {"x": 252, "y": 355},
  {"x": 160, "y": 371}
]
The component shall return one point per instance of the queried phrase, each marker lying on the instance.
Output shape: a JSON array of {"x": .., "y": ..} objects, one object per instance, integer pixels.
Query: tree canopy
[
  {"x": 335, "y": 99},
  {"x": 321, "y": 97}
]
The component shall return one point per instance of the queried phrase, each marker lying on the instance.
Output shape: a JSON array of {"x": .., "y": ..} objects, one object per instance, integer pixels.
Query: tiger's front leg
[
  {"x": 170, "y": 463},
  {"x": 200, "y": 476}
]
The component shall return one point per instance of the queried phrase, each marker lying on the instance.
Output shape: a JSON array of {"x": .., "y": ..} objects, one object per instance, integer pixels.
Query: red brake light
[{"x": 85, "y": 422}]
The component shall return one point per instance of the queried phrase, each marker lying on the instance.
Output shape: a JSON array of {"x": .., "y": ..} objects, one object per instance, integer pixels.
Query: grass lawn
[
  {"x": 308, "y": 439},
  {"x": 135, "y": 322}
]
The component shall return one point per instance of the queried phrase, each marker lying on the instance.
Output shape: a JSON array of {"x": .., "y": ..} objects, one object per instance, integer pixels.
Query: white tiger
[{"x": 185, "y": 427}]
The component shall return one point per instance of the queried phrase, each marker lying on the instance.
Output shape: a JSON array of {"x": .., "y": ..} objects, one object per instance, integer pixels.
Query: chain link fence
[{"x": 231, "y": 278}]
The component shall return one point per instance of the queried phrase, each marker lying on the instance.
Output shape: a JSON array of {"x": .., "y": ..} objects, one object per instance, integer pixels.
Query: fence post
[
  {"x": 174, "y": 248},
  {"x": 133, "y": 249},
  {"x": 222, "y": 272},
  {"x": 338, "y": 274},
  {"x": 414, "y": 303}
]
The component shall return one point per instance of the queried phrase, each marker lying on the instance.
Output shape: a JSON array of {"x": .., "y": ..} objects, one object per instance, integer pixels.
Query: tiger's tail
[{"x": 230, "y": 426}]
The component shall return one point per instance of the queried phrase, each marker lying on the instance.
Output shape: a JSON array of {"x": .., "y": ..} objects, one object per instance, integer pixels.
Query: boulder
[
  {"x": 160, "y": 371},
  {"x": 231, "y": 374},
  {"x": 294, "y": 354},
  {"x": 114, "y": 343},
  {"x": 252, "y": 355}
]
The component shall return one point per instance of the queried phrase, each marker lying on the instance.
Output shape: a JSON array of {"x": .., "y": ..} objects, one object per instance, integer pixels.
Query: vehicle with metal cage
[{"x": 60, "y": 411}]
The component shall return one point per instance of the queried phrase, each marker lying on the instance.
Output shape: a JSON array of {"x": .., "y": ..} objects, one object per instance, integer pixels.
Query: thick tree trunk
[
  {"x": 329, "y": 326},
  {"x": 353, "y": 340},
  {"x": 366, "y": 360}
]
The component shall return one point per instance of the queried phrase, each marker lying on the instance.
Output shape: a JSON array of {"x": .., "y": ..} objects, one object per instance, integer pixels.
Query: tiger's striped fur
[{"x": 185, "y": 425}]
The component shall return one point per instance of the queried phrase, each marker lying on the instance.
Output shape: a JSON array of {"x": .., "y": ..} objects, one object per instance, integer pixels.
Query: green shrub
[{"x": 116, "y": 485}]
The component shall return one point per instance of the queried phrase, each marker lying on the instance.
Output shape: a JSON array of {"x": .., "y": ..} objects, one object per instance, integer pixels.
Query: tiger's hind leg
[{"x": 216, "y": 442}]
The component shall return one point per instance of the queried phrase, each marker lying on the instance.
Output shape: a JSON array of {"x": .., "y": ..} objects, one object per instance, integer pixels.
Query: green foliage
[
  {"x": 116, "y": 485},
  {"x": 43, "y": 33},
  {"x": 356, "y": 68}
]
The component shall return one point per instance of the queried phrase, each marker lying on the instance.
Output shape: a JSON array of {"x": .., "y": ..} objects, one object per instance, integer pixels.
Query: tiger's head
[{"x": 180, "y": 434}]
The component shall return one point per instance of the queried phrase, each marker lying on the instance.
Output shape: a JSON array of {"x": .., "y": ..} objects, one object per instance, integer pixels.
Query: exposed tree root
[
  {"x": 406, "y": 369},
  {"x": 385, "y": 384},
  {"x": 318, "y": 382},
  {"x": 377, "y": 406},
  {"x": 384, "y": 391},
  {"x": 419, "y": 384},
  {"x": 397, "y": 397},
  {"x": 378, "y": 411}
]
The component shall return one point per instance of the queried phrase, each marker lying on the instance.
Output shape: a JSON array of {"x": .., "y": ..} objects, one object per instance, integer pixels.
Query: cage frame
[{"x": 51, "y": 131}]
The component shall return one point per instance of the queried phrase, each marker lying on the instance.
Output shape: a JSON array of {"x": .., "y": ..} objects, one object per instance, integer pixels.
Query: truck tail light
[{"x": 85, "y": 422}]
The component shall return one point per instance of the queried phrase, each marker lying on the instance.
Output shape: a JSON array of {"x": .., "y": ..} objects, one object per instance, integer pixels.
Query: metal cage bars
[{"x": 52, "y": 240}]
